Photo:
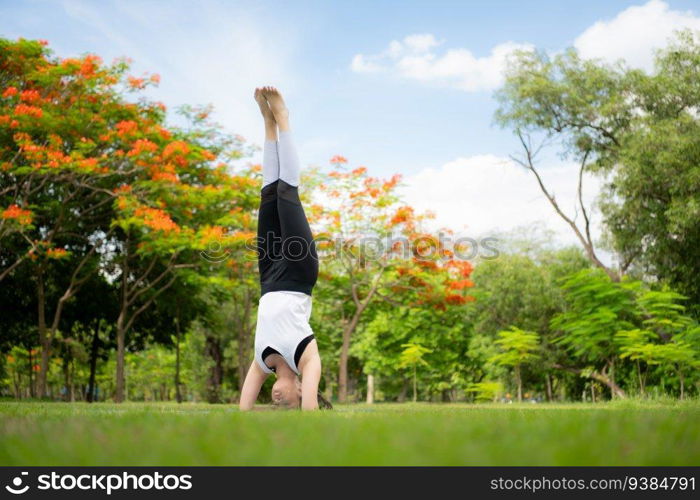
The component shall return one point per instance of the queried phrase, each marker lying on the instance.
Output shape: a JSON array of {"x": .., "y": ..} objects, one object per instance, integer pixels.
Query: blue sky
[{"x": 421, "y": 106}]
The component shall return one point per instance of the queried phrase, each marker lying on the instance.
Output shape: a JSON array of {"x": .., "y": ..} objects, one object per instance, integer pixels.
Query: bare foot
[
  {"x": 262, "y": 102},
  {"x": 279, "y": 109},
  {"x": 268, "y": 116}
]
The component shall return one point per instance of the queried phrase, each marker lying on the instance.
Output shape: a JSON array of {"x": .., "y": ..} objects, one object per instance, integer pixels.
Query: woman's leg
[
  {"x": 298, "y": 247},
  {"x": 269, "y": 229}
]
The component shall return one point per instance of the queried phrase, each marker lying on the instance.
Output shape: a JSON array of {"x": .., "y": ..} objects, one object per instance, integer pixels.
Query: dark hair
[{"x": 323, "y": 403}]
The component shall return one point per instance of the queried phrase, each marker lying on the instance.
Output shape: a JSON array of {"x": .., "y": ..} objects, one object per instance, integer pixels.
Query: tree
[
  {"x": 637, "y": 131},
  {"x": 520, "y": 288},
  {"x": 411, "y": 357},
  {"x": 101, "y": 182},
  {"x": 373, "y": 249},
  {"x": 577, "y": 103},
  {"x": 597, "y": 308},
  {"x": 666, "y": 336},
  {"x": 518, "y": 347},
  {"x": 52, "y": 177},
  {"x": 652, "y": 202}
]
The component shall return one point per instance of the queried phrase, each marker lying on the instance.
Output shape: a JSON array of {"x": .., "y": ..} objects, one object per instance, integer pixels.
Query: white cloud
[
  {"x": 415, "y": 58},
  {"x": 480, "y": 195},
  {"x": 635, "y": 33}
]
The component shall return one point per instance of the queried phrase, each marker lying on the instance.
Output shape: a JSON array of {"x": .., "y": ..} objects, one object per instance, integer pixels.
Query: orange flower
[
  {"x": 29, "y": 96},
  {"x": 24, "y": 109},
  {"x": 426, "y": 264},
  {"x": 10, "y": 91},
  {"x": 455, "y": 299},
  {"x": 89, "y": 65},
  {"x": 126, "y": 127},
  {"x": 56, "y": 253},
  {"x": 339, "y": 159},
  {"x": 124, "y": 188},
  {"x": 24, "y": 217},
  {"x": 157, "y": 219},
  {"x": 359, "y": 170},
  {"x": 164, "y": 133},
  {"x": 208, "y": 155},
  {"x": 142, "y": 145},
  {"x": 212, "y": 233},
  {"x": 460, "y": 284},
  {"x": 175, "y": 147},
  {"x": 136, "y": 83},
  {"x": 165, "y": 176},
  {"x": 464, "y": 267},
  {"x": 391, "y": 182},
  {"x": 88, "y": 164},
  {"x": 402, "y": 215},
  {"x": 155, "y": 78}
]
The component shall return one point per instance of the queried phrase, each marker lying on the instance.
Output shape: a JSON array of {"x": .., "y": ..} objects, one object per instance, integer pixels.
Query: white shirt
[{"x": 283, "y": 322}]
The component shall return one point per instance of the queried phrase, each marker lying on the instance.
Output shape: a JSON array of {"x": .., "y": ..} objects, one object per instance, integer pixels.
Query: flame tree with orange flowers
[
  {"x": 96, "y": 183},
  {"x": 375, "y": 249}
]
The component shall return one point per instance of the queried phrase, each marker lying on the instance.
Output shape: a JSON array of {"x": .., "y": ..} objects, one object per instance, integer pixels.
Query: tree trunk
[
  {"x": 600, "y": 377},
  {"x": 66, "y": 379},
  {"x": 519, "y": 383},
  {"x": 370, "y": 389},
  {"x": 348, "y": 330},
  {"x": 680, "y": 378},
  {"x": 639, "y": 378},
  {"x": 612, "y": 378},
  {"x": 548, "y": 380},
  {"x": 121, "y": 326},
  {"x": 328, "y": 390},
  {"x": 216, "y": 374},
  {"x": 121, "y": 333},
  {"x": 44, "y": 339},
  {"x": 30, "y": 374},
  {"x": 245, "y": 335},
  {"x": 93, "y": 362},
  {"x": 402, "y": 394},
  {"x": 415, "y": 391},
  {"x": 242, "y": 357},
  {"x": 343, "y": 363},
  {"x": 178, "y": 394}
]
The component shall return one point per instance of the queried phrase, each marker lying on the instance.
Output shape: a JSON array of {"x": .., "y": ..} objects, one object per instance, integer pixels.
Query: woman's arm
[
  {"x": 310, "y": 376},
  {"x": 251, "y": 387}
]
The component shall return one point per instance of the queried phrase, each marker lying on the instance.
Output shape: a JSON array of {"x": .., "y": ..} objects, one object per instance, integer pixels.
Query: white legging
[{"x": 280, "y": 160}]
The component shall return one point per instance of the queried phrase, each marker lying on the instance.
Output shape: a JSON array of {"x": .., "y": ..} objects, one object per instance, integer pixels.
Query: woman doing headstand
[{"x": 288, "y": 265}]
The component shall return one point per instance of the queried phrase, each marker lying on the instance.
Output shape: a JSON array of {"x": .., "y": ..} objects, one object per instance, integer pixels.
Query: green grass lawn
[{"x": 616, "y": 433}]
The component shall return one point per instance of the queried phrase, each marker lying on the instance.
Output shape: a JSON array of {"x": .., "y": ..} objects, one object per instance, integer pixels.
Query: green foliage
[
  {"x": 606, "y": 320},
  {"x": 640, "y": 132},
  {"x": 412, "y": 355},
  {"x": 517, "y": 347},
  {"x": 486, "y": 391}
]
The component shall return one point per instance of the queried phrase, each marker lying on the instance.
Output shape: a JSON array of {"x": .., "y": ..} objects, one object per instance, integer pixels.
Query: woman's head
[{"x": 286, "y": 392}]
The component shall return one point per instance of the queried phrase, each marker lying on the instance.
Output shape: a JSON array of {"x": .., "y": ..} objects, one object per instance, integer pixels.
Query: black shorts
[{"x": 287, "y": 257}]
